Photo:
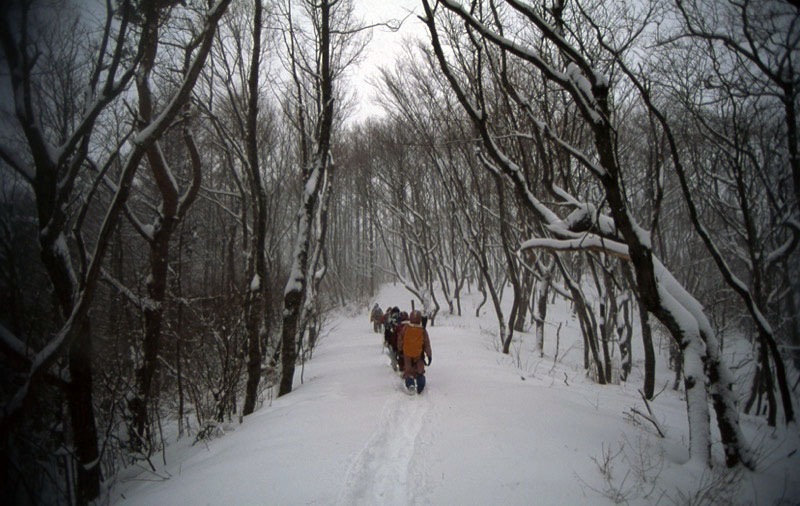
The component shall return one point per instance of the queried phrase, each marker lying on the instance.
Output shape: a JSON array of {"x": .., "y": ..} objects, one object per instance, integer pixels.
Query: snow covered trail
[
  {"x": 350, "y": 434},
  {"x": 390, "y": 468},
  {"x": 488, "y": 429}
]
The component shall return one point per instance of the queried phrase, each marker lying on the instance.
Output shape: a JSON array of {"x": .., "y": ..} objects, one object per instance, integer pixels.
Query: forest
[{"x": 186, "y": 198}]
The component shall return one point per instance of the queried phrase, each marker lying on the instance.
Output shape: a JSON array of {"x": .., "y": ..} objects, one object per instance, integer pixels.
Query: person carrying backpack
[
  {"x": 390, "y": 335},
  {"x": 414, "y": 343},
  {"x": 376, "y": 317},
  {"x": 398, "y": 329}
]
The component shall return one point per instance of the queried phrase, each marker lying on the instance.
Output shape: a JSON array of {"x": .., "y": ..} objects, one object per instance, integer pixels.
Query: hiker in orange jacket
[{"x": 414, "y": 343}]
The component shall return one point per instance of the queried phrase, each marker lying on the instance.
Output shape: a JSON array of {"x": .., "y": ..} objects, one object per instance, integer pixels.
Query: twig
[
  {"x": 658, "y": 393},
  {"x": 647, "y": 404},
  {"x": 655, "y": 424},
  {"x": 651, "y": 418}
]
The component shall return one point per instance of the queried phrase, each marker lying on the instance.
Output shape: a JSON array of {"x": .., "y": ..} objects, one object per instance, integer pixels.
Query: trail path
[
  {"x": 350, "y": 435},
  {"x": 488, "y": 429},
  {"x": 391, "y": 467}
]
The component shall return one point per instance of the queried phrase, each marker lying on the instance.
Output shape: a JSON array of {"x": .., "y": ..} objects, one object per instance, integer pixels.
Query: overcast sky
[
  {"x": 384, "y": 45},
  {"x": 380, "y": 51}
]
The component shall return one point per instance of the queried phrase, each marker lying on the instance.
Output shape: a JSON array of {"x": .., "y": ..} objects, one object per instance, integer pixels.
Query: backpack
[
  {"x": 389, "y": 325},
  {"x": 413, "y": 340}
]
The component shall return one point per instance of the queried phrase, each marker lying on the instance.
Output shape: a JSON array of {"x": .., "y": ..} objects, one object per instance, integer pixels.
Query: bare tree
[
  {"x": 746, "y": 73},
  {"x": 256, "y": 293},
  {"x": 169, "y": 214},
  {"x": 618, "y": 234},
  {"x": 55, "y": 164},
  {"x": 317, "y": 167}
]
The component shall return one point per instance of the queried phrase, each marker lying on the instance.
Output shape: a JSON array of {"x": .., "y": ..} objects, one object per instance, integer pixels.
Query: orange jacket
[{"x": 415, "y": 365}]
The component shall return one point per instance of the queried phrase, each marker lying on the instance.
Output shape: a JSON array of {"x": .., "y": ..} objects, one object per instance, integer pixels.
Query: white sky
[{"x": 384, "y": 46}]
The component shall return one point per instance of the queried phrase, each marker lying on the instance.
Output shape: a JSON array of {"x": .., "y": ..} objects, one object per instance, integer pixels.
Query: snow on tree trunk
[
  {"x": 295, "y": 289},
  {"x": 313, "y": 210},
  {"x": 687, "y": 332}
]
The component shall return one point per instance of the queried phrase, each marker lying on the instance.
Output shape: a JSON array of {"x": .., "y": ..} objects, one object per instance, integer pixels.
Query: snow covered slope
[{"x": 489, "y": 429}]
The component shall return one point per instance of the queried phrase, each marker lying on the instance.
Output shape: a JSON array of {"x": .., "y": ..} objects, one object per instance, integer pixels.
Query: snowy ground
[{"x": 489, "y": 429}]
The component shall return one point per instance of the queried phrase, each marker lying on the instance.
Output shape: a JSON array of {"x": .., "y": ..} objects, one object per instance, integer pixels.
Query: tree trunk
[
  {"x": 171, "y": 212},
  {"x": 81, "y": 410},
  {"x": 153, "y": 316},
  {"x": 501, "y": 322},
  {"x": 291, "y": 310},
  {"x": 587, "y": 327},
  {"x": 609, "y": 318},
  {"x": 314, "y": 178},
  {"x": 647, "y": 341},
  {"x": 513, "y": 274},
  {"x": 625, "y": 336},
  {"x": 527, "y": 281},
  {"x": 79, "y": 388},
  {"x": 541, "y": 308},
  {"x": 482, "y": 288},
  {"x": 254, "y": 303}
]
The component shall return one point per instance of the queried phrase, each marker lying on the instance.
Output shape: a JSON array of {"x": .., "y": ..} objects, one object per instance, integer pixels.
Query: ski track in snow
[{"x": 391, "y": 467}]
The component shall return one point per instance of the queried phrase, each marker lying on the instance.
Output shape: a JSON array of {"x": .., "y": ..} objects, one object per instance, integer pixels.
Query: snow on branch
[
  {"x": 548, "y": 216},
  {"x": 597, "y": 78},
  {"x": 146, "y": 230},
  {"x": 564, "y": 195},
  {"x": 587, "y": 217},
  {"x": 586, "y": 243},
  {"x": 143, "y": 303},
  {"x": 576, "y": 88},
  {"x": 787, "y": 247},
  {"x": 576, "y": 153},
  {"x": 162, "y": 172}
]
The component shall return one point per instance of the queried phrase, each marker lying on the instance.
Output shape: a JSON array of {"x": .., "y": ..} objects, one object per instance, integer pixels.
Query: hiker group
[{"x": 407, "y": 343}]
